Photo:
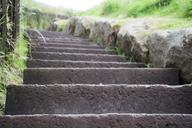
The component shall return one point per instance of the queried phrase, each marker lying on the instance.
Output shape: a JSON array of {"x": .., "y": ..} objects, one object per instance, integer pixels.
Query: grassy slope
[
  {"x": 40, "y": 21},
  {"x": 167, "y": 13}
]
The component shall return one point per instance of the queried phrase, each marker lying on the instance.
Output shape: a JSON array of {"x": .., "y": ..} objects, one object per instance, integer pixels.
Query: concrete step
[
  {"x": 81, "y": 64},
  {"x": 65, "y": 45},
  {"x": 35, "y": 33},
  {"x": 62, "y": 40},
  {"x": 101, "y": 75},
  {"x": 77, "y": 57},
  {"x": 72, "y": 50},
  {"x": 53, "y": 33},
  {"x": 69, "y": 42},
  {"x": 98, "y": 121},
  {"x": 84, "y": 99},
  {"x": 68, "y": 39}
]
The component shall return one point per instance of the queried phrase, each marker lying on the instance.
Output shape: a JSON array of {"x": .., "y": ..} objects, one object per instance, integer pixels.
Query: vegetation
[
  {"x": 166, "y": 13},
  {"x": 137, "y": 8},
  {"x": 11, "y": 70},
  {"x": 35, "y": 5},
  {"x": 39, "y": 16}
]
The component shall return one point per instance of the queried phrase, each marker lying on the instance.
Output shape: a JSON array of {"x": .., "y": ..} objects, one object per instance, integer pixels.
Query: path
[{"x": 74, "y": 83}]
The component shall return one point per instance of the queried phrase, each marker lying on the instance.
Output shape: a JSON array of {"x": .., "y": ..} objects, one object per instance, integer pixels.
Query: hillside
[
  {"x": 137, "y": 8},
  {"x": 167, "y": 13},
  {"x": 35, "y": 5}
]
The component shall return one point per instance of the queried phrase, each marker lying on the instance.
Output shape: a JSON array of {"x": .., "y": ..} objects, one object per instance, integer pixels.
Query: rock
[
  {"x": 53, "y": 26},
  {"x": 70, "y": 26},
  {"x": 131, "y": 40},
  {"x": 83, "y": 27},
  {"x": 172, "y": 48},
  {"x": 104, "y": 32}
]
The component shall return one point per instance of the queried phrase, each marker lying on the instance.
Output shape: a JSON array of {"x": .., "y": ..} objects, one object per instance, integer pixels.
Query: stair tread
[{"x": 77, "y": 56}]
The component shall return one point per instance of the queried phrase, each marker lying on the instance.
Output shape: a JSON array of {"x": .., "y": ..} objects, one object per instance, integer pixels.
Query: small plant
[
  {"x": 119, "y": 51},
  {"x": 2, "y": 97}
]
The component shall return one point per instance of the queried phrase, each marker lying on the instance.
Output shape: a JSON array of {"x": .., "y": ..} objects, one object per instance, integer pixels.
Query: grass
[
  {"x": 167, "y": 14},
  {"x": 138, "y": 8},
  {"x": 11, "y": 71},
  {"x": 61, "y": 25},
  {"x": 37, "y": 15}
]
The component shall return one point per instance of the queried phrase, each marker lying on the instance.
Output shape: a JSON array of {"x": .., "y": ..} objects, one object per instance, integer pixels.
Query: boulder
[
  {"x": 104, "y": 32},
  {"x": 83, "y": 26},
  {"x": 70, "y": 25},
  {"x": 172, "y": 48},
  {"x": 131, "y": 40},
  {"x": 53, "y": 26}
]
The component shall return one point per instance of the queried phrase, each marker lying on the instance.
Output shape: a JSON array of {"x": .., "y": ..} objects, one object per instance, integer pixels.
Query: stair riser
[
  {"x": 39, "y": 63},
  {"x": 82, "y": 99},
  {"x": 71, "y": 50},
  {"x": 77, "y": 57},
  {"x": 97, "y": 76}
]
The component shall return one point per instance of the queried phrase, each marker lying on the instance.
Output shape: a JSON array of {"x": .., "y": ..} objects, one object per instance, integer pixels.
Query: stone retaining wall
[{"x": 159, "y": 49}]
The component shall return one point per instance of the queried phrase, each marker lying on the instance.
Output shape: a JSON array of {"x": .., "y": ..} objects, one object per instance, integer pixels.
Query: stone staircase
[{"x": 74, "y": 83}]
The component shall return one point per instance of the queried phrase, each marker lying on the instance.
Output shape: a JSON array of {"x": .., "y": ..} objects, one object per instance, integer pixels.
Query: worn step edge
[
  {"x": 69, "y": 45},
  {"x": 81, "y": 64},
  {"x": 82, "y": 99},
  {"x": 64, "y": 44},
  {"x": 94, "y": 121},
  {"x": 59, "y": 37},
  {"x": 77, "y": 56},
  {"x": 67, "y": 42},
  {"x": 82, "y": 54},
  {"x": 70, "y": 41},
  {"x": 101, "y": 75},
  {"x": 66, "y": 37},
  {"x": 72, "y": 50}
]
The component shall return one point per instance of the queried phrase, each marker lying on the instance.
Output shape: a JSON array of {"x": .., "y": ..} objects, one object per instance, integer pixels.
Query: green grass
[
  {"x": 138, "y": 8},
  {"x": 37, "y": 15},
  {"x": 11, "y": 70},
  {"x": 167, "y": 14},
  {"x": 61, "y": 25}
]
